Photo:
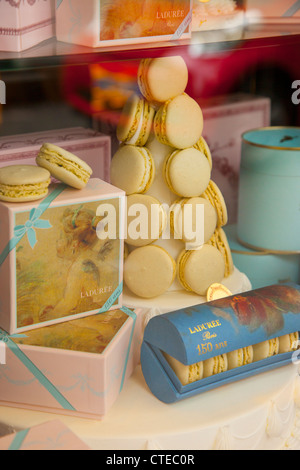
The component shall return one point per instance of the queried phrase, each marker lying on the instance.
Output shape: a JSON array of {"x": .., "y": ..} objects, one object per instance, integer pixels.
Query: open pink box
[
  {"x": 92, "y": 147},
  {"x": 52, "y": 435},
  {"x": 57, "y": 259},
  {"x": 74, "y": 368},
  {"x": 25, "y": 23}
]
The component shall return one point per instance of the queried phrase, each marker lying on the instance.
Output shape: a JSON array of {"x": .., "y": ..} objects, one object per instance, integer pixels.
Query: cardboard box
[
  {"x": 93, "y": 147},
  {"x": 73, "y": 368},
  {"x": 225, "y": 120},
  {"x": 25, "y": 23},
  {"x": 273, "y": 11},
  {"x": 120, "y": 22},
  {"x": 57, "y": 260},
  {"x": 52, "y": 435}
]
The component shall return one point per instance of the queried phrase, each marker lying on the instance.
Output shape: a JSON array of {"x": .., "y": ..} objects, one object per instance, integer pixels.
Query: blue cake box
[
  {"x": 197, "y": 333},
  {"x": 262, "y": 268},
  {"x": 269, "y": 196}
]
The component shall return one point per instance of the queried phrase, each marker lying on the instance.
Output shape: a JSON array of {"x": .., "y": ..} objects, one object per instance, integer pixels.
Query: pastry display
[
  {"x": 23, "y": 183},
  {"x": 64, "y": 166},
  {"x": 173, "y": 169}
]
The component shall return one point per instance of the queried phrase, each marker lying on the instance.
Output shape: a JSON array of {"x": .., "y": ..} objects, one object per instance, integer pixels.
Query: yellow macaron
[
  {"x": 132, "y": 169},
  {"x": 198, "y": 269},
  {"x": 135, "y": 121},
  {"x": 179, "y": 122},
  {"x": 64, "y": 166},
  {"x": 186, "y": 172},
  {"x": 193, "y": 219},
  {"x": 162, "y": 78},
  {"x": 149, "y": 271},
  {"x": 219, "y": 241},
  {"x": 23, "y": 183},
  {"x": 204, "y": 148},
  {"x": 213, "y": 194}
]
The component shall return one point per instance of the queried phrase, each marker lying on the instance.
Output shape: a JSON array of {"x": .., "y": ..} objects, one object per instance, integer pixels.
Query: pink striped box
[
  {"x": 51, "y": 435},
  {"x": 91, "y": 146},
  {"x": 25, "y": 23}
]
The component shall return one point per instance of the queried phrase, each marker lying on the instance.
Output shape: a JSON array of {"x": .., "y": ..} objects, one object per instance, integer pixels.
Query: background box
[
  {"x": 92, "y": 147},
  {"x": 52, "y": 435},
  {"x": 273, "y": 11},
  {"x": 25, "y": 23},
  {"x": 53, "y": 265},
  {"x": 74, "y": 368},
  {"x": 225, "y": 120},
  {"x": 119, "y": 22}
]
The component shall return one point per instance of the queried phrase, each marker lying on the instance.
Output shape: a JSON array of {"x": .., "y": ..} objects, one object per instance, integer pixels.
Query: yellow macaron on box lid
[
  {"x": 60, "y": 258},
  {"x": 205, "y": 334}
]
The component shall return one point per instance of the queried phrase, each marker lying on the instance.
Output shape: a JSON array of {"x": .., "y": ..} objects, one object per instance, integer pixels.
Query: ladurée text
[
  {"x": 170, "y": 14},
  {"x": 92, "y": 292},
  {"x": 205, "y": 326}
]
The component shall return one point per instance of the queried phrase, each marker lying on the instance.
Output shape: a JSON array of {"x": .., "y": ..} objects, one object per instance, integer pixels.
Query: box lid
[{"x": 203, "y": 331}]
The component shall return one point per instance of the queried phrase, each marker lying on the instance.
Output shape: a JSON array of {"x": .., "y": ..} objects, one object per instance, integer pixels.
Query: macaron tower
[{"x": 169, "y": 167}]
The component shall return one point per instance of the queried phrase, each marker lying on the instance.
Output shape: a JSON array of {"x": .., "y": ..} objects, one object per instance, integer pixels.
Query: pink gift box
[
  {"x": 52, "y": 435},
  {"x": 93, "y": 147},
  {"x": 74, "y": 368},
  {"x": 225, "y": 120},
  {"x": 25, "y": 23},
  {"x": 59, "y": 260},
  {"x": 120, "y": 22},
  {"x": 273, "y": 11}
]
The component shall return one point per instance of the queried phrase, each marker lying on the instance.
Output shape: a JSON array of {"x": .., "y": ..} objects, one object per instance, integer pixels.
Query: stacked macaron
[
  {"x": 188, "y": 374},
  {"x": 163, "y": 155}
]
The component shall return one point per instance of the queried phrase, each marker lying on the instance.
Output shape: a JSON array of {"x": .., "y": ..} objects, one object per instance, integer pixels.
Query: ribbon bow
[
  {"x": 32, "y": 223},
  {"x": 29, "y": 228}
]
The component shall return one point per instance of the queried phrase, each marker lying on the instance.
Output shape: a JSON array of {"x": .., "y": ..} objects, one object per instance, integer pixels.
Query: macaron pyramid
[{"x": 182, "y": 182}]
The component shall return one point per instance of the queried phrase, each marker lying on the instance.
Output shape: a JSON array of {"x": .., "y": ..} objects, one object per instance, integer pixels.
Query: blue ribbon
[
  {"x": 114, "y": 296},
  {"x": 18, "y": 440},
  {"x": 292, "y": 10},
  {"x": 32, "y": 224},
  {"x": 133, "y": 316}
]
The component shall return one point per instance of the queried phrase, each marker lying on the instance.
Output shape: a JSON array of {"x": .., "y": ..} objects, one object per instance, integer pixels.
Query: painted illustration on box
[
  {"x": 260, "y": 308},
  {"x": 121, "y": 19},
  {"x": 69, "y": 270},
  {"x": 91, "y": 334}
]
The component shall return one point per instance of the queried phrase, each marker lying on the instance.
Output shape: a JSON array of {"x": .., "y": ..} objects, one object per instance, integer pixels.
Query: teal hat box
[
  {"x": 262, "y": 267},
  {"x": 269, "y": 193}
]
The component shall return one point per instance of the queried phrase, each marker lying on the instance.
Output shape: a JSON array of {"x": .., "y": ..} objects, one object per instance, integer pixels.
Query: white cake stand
[{"x": 173, "y": 300}]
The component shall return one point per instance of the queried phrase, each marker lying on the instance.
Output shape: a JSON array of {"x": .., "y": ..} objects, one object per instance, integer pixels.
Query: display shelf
[{"x": 53, "y": 53}]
